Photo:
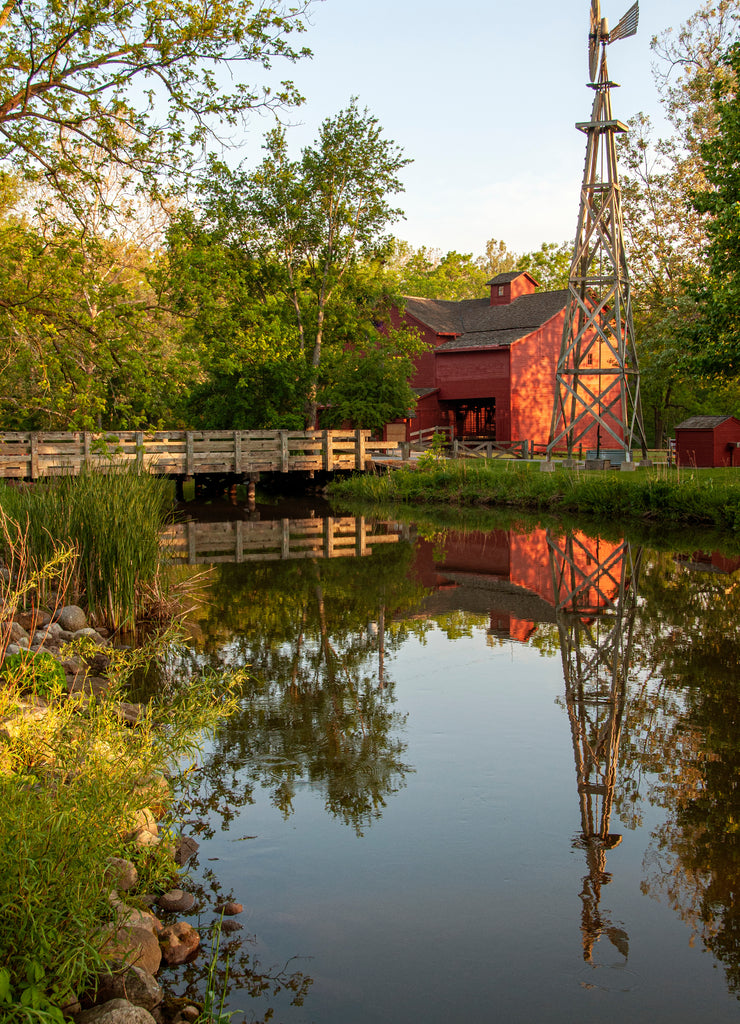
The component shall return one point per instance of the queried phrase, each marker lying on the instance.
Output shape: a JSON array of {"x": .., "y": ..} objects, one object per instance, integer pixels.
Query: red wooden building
[
  {"x": 489, "y": 371},
  {"x": 708, "y": 441}
]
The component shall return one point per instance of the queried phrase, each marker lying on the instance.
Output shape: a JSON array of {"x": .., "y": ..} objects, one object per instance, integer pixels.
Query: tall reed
[{"x": 112, "y": 520}]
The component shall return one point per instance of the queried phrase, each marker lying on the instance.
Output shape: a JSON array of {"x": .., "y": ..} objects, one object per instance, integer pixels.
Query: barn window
[
  {"x": 590, "y": 359},
  {"x": 501, "y": 289}
]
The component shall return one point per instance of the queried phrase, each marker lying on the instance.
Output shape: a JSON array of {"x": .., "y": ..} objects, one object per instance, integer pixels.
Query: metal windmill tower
[{"x": 597, "y": 388}]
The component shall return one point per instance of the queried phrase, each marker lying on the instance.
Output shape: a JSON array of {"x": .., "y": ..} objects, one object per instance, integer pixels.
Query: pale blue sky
[{"x": 483, "y": 97}]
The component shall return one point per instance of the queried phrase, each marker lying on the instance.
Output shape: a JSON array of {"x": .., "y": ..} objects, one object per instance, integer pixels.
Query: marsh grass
[
  {"x": 111, "y": 521},
  {"x": 660, "y": 494}
]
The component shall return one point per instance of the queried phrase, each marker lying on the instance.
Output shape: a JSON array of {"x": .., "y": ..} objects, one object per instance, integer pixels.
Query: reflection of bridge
[{"x": 239, "y": 541}]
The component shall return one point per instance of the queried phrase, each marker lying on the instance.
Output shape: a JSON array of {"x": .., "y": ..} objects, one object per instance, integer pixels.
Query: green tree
[
  {"x": 86, "y": 342},
  {"x": 320, "y": 215},
  {"x": 428, "y": 274},
  {"x": 498, "y": 259},
  {"x": 138, "y": 83},
  {"x": 370, "y": 387},
  {"x": 233, "y": 323},
  {"x": 549, "y": 265},
  {"x": 282, "y": 285},
  {"x": 665, "y": 234},
  {"x": 717, "y": 337}
]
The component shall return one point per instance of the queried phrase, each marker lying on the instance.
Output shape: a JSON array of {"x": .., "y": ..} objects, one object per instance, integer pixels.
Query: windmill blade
[
  {"x": 627, "y": 26},
  {"x": 593, "y": 40}
]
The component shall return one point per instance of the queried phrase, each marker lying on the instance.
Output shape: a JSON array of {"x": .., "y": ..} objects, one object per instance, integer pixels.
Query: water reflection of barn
[{"x": 508, "y": 576}]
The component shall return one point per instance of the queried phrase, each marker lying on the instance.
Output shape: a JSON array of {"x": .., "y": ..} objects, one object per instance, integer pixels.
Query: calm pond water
[{"x": 476, "y": 776}]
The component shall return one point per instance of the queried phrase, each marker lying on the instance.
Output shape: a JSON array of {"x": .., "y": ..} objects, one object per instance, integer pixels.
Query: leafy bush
[{"x": 33, "y": 670}]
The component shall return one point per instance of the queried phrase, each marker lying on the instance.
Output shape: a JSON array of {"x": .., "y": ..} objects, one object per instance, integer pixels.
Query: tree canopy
[
  {"x": 283, "y": 280},
  {"x": 665, "y": 233},
  {"x": 718, "y": 330},
  {"x": 141, "y": 84}
]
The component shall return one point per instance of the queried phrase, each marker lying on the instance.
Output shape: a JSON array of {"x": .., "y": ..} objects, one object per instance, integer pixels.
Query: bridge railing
[
  {"x": 424, "y": 438},
  {"x": 281, "y": 539},
  {"x": 186, "y": 452},
  {"x": 490, "y": 449}
]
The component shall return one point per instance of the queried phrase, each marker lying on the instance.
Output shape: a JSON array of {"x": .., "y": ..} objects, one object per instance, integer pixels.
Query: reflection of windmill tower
[
  {"x": 597, "y": 387},
  {"x": 595, "y": 592}
]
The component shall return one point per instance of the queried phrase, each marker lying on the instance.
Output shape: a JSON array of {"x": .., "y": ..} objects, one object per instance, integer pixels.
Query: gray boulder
[
  {"x": 116, "y": 1011},
  {"x": 121, "y": 873},
  {"x": 72, "y": 618},
  {"x": 90, "y": 633},
  {"x": 17, "y": 631},
  {"x": 135, "y": 984}
]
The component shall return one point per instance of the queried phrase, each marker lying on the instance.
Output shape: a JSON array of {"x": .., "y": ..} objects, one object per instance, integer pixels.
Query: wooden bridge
[
  {"x": 187, "y": 453},
  {"x": 198, "y": 543}
]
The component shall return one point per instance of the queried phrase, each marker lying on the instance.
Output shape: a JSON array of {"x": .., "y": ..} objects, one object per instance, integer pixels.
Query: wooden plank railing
[
  {"x": 490, "y": 449},
  {"x": 424, "y": 438},
  {"x": 197, "y": 543},
  {"x": 186, "y": 452}
]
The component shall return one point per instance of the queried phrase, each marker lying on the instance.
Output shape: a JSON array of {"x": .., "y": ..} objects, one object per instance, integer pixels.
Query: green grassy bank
[
  {"x": 659, "y": 494},
  {"x": 76, "y": 775}
]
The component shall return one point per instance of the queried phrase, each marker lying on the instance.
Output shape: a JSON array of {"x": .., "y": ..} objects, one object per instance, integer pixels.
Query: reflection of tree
[
  {"x": 319, "y": 706},
  {"x": 595, "y": 591},
  {"x": 684, "y": 728},
  {"x": 232, "y": 958}
]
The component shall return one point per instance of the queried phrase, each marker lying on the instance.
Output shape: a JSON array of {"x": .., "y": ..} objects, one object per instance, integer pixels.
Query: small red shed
[{"x": 708, "y": 441}]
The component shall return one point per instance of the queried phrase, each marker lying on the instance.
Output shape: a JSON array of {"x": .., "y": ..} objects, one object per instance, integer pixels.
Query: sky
[{"x": 483, "y": 97}]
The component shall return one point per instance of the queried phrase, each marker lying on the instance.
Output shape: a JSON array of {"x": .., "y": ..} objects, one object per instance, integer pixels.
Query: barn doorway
[{"x": 475, "y": 420}]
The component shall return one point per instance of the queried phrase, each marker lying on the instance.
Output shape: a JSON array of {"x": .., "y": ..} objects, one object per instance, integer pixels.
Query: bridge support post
[
  {"x": 359, "y": 449},
  {"x": 237, "y": 451},
  {"x": 34, "y": 455}
]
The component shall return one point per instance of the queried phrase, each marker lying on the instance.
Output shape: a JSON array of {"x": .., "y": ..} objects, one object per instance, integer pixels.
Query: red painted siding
[
  {"x": 503, "y": 294},
  {"x": 479, "y": 374},
  {"x": 425, "y": 362},
  {"x": 710, "y": 446},
  {"x": 534, "y": 360}
]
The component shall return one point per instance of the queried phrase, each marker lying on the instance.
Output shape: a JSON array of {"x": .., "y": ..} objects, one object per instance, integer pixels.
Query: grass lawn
[{"x": 702, "y": 496}]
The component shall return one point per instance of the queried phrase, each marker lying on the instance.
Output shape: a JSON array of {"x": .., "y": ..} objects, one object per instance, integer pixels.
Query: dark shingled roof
[
  {"x": 702, "y": 422},
  {"x": 510, "y": 275},
  {"x": 477, "y": 324}
]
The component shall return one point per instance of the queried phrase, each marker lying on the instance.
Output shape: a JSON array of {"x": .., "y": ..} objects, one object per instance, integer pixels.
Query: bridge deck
[{"x": 187, "y": 453}]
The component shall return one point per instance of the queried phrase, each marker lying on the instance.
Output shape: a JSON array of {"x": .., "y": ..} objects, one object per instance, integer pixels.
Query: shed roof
[
  {"x": 703, "y": 422},
  {"x": 475, "y": 323}
]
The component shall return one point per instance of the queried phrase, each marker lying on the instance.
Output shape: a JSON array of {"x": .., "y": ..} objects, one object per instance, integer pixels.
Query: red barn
[
  {"x": 708, "y": 441},
  {"x": 489, "y": 371}
]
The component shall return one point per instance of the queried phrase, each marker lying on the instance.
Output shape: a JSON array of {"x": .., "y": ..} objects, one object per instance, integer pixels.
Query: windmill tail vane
[{"x": 627, "y": 25}]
